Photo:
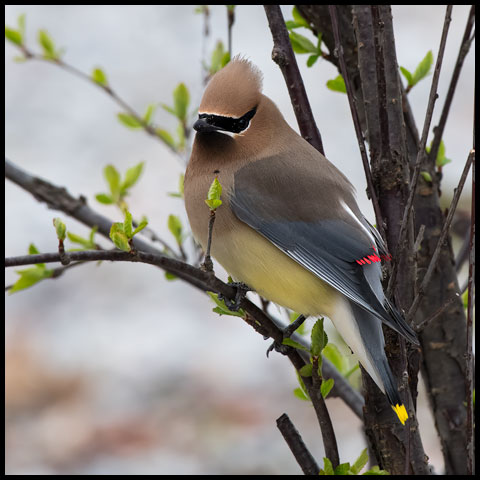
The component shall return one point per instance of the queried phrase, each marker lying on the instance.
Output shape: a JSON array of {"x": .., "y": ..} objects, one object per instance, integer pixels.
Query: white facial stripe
[
  {"x": 226, "y": 132},
  {"x": 349, "y": 211}
]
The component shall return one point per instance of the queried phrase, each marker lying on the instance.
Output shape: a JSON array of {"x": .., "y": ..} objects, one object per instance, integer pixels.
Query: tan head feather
[{"x": 234, "y": 90}]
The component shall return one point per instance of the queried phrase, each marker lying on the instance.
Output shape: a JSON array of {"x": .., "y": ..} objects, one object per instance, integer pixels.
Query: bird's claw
[
  {"x": 287, "y": 332},
  {"x": 234, "y": 305}
]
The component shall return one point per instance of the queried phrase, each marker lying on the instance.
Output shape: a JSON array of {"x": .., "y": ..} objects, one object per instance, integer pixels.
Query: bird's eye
[{"x": 242, "y": 123}]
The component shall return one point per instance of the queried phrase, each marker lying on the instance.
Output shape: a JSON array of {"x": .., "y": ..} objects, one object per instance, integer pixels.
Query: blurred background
[{"x": 112, "y": 369}]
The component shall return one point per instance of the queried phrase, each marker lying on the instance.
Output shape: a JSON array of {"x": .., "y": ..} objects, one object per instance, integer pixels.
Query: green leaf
[
  {"x": 327, "y": 467},
  {"x": 175, "y": 227},
  {"x": 88, "y": 244},
  {"x": 426, "y": 176},
  {"x": 118, "y": 237},
  {"x": 181, "y": 99},
  {"x": 290, "y": 24},
  {"x": 306, "y": 370},
  {"x": 47, "y": 44},
  {"x": 311, "y": 60},
  {"x": 143, "y": 223},
  {"x": 218, "y": 56},
  {"x": 91, "y": 235},
  {"x": 60, "y": 228},
  {"x": 98, "y": 76},
  {"x": 170, "y": 276},
  {"x": 222, "y": 309},
  {"x": 127, "y": 225},
  {"x": 147, "y": 117},
  {"x": 337, "y": 85},
  {"x": 225, "y": 59},
  {"x": 319, "y": 338},
  {"x": 33, "y": 250},
  {"x": 423, "y": 68},
  {"x": 166, "y": 137},
  {"x": 181, "y": 136},
  {"x": 299, "y": 20},
  {"x": 30, "y": 276},
  {"x": 298, "y": 392},
  {"x": 343, "y": 469},
  {"x": 294, "y": 344},
  {"x": 407, "y": 75},
  {"x": 121, "y": 241},
  {"x": 302, "y": 387},
  {"x": 441, "y": 159},
  {"x": 376, "y": 471},
  {"x": 326, "y": 386},
  {"x": 129, "y": 121},
  {"x": 360, "y": 462},
  {"x": 113, "y": 180},
  {"x": 104, "y": 198},
  {"x": 131, "y": 177},
  {"x": 301, "y": 44},
  {"x": 214, "y": 193},
  {"x": 333, "y": 354},
  {"x": 13, "y": 35}
]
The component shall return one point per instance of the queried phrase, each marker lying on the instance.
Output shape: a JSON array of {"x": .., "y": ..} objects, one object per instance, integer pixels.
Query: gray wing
[{"x": 331, "y": 248}]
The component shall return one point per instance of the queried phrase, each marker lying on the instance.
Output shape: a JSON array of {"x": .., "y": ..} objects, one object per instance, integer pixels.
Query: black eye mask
[{"x": 229, "y": 124}]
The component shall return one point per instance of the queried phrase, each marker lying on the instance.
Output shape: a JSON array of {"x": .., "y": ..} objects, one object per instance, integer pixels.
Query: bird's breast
[{"x": 248, "y": 256}]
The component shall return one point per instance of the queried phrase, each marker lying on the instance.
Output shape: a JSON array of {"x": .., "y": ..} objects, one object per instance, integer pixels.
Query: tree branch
[
  {"x": 443, "y": 236},
  {"x": 462, "y": 53},
  {"x": 421, "y": 148},
  {"x": 356, "y": 122},
  {"x": 283, "y": 56},
  {"x": 295, "y": 442}
]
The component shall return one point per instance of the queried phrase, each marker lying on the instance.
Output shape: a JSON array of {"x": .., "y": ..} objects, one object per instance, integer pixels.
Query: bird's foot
[
  {"x": 234, "y": 305},
  {"x": 287, "y": 332}
]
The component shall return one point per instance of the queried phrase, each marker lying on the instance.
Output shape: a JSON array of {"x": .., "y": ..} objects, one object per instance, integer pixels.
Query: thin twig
[
  {"x": 421, "y": 148},
  {"x": 283, "y": 56},
  {"x": 462, "y": 53},
  {"x": 442, "y": 238},
  {"x": 105, "y": 87},
  {"x": 326, "y": 427},
  {"x": 231, "y": 21},
  {"x": 207, "y": 263},
  {"x": 295, "y": 442},
  {"x": 356, "y": 121},
  {"x": 423, "y": 324},
  {"x": 419, "y": 239}
]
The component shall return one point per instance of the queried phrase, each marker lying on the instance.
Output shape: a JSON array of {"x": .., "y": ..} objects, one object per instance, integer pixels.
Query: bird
[{"x": 289, "y": 225}]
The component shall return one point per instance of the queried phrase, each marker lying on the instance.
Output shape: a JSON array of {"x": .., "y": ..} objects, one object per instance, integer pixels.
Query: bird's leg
[
  {"x": 287, "y": 332},
  {"x": 234, "y": 305}
]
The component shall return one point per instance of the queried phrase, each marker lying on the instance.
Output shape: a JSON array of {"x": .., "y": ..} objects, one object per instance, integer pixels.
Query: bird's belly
[{"x": 250, "y": 258}]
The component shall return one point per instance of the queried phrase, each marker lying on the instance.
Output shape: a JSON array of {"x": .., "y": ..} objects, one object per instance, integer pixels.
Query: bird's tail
[{"x": 374, "y": 359}]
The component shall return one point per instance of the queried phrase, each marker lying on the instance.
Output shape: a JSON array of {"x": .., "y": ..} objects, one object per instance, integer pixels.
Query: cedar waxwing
[{"x": 289, "y": 226}]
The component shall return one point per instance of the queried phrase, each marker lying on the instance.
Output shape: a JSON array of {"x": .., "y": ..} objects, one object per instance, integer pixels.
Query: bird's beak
[{"x": 202, "y": 126}]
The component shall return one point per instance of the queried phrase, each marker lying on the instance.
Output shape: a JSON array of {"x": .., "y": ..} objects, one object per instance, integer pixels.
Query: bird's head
[{"x": 231, "y": 99}]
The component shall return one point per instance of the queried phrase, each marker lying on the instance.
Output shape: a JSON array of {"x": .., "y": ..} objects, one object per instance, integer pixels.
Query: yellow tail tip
[{"x": 401, "y": 412}]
